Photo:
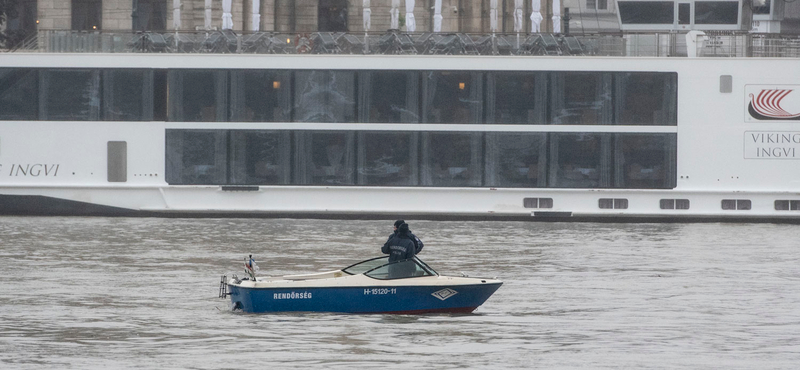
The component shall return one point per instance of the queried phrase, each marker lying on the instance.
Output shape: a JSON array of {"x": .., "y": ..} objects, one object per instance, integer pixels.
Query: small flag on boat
[{"x": 250, "y": 267}]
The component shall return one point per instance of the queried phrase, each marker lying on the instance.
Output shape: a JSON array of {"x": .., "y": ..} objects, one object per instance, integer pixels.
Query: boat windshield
[
  {"x": 401, "y": 269},
  {"x": 364, "y": 266},
  {"x": 379, "y": 268}
]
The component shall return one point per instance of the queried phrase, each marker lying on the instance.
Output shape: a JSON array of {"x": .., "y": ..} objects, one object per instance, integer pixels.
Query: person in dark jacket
[
  {"x": 400, "y": 247},
  {"x": 417, "y": 242}
]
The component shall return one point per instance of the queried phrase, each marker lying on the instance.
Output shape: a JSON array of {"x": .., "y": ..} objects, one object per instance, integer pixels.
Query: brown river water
[{"x": 111, "y": 293}]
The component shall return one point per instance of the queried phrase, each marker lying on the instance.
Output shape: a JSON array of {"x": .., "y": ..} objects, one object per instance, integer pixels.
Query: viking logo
[{"x": 766, "y": 105}]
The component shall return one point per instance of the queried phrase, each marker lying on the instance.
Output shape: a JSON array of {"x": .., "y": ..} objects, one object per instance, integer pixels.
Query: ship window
[
  {"x": 646, "y": 12},
  {"x": 389, "y": 96},
  {"x": 196, "y": 157},
  {"x": 260, "y": 96},
  {"x": 787, "y": 205},
  {"x": 763, "y": 9},
  {"x": 403, "y": 158},
  {"x": 716, "y": 12},
  {"x": 645, "y": 161},
  {"x": 259, "y": 157},
  {"x": 388, "y": 158},
  {"x": 516, "y": 160},
  {"x": 150, "y": 15},
  {"x": 452, "y": 97},
  {"x": 325, "y": 157},
  {"x": 332, "y": 16},
  {"x": 117, "y": 161},
  {"x": 576, "y": 161},
  {"x": 537, "y": 202},
  {"x": 160, "y": 95},
  {"x": 674, "y": 204},
  {"x": 646, "y": 98},
  {"x": 581, "y": 98},
  {"x": 451, "y": 159},
  {"x": 128, "y": 95},
  {"x": 609, "y": 203},
  {"x": 516, "y": 98},
  {"x": 198, "y": 95},
  {"x": 684, "y": 15},
  {"x": 23, "y": 25},
  {"x": 324, "y": 96},
  {"x": 19, "y": 94},
  {"x": 736, "y": 204},
  {"x": 87, "y": 15},
  {"x": 70, "y": 95}
]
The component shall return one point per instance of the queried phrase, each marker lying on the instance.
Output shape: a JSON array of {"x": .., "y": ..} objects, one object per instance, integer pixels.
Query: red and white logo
[{"x": 773, "y": 103}]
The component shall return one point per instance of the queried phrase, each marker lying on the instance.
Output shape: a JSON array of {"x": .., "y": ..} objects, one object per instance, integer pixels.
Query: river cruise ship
[{"x": 539, "y": 126}]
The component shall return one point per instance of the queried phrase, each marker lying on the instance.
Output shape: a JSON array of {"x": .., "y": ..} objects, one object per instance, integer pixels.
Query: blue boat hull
[{"x": 376, "y": 299}]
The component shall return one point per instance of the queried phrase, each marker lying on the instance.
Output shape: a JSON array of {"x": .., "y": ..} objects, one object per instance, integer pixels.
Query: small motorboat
[{"x": 372, "y": 286}]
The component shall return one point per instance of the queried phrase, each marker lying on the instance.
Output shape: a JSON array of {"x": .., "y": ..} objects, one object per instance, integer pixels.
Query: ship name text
[
  {"x": 33, "y": 170},
  {"x": 771, "y": 145}
]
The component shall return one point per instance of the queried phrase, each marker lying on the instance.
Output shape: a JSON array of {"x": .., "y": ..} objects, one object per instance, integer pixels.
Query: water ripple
[{"x": 96, "y": 293}]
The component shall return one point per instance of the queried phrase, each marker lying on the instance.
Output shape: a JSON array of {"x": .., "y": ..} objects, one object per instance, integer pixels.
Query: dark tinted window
[
  {"x": 324, "y": 96},
  {"x": 763, "y": 9},
  {"x": 196, "y": 157},
  {"x": 71, "y": 94},
  {"x": 451, "y": 159},
  {"x": 452, "y": 97},
  {"x": 150, "y": 15},
  {"x": 332, "y": 16},
  {"x": 716, "y": 12},
  {"x": 647, "y": 12},
  {"x": 645, "y": 161},
  {"x": 198, "y": 95},
  {"x": 22, "y": 23},
  {"x": 259, "y": 157},
  {"x": 325, "y": 158},
  {"x": 388, "y": 158},
  {"x": 684, "y": 13},
  {"x": 260, "y": 96},
  {"x": 646, "y": 98},
  {"x": 515, "y": 98},
  {"x": 127, "y": 95},
  {"x": 581, "y": 98},
  {"x": 516, "y": 159},
  {"x": 19, "y": 98},
  {"x": 576, "y": 162},
  {"x": 390, "y": 96},
  {"x": 87, "y": 15}
]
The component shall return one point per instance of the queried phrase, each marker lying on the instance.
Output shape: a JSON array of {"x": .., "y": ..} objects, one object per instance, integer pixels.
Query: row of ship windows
[
  {"x": 335, "y": 96},
  {"x": 447, "y": 159},
  {"x": 622, "y": 203}
]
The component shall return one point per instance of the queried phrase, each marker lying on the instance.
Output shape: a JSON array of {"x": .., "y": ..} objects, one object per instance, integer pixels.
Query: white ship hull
[{"x": 722, "y": 152}]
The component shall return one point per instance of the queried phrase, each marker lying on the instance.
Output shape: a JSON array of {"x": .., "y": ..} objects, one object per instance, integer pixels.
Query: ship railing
[{"x": 730, "y": 44}]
